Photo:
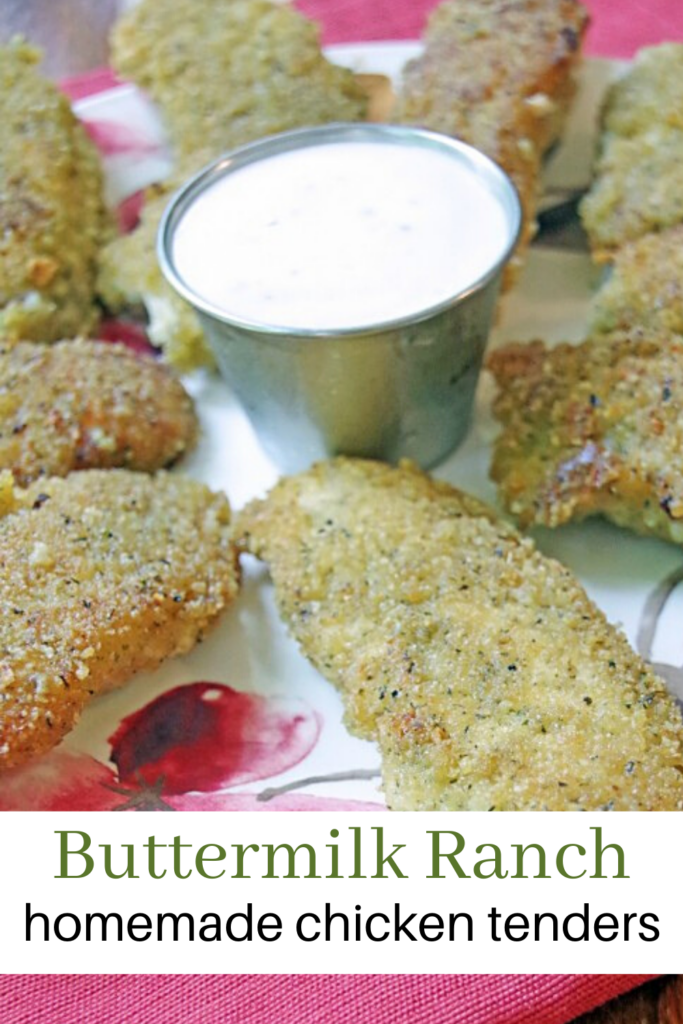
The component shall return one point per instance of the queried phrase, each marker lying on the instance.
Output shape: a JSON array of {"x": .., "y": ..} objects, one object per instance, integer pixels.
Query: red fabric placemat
[
  {"x": 619, "y": 27},
  {"x": 281, "y": 999}
]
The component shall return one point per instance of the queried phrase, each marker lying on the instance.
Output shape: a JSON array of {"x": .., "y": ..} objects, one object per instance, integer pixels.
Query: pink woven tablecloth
[
  {"x": 342, "y": 999},
  {"x": 619, "y": 26}
]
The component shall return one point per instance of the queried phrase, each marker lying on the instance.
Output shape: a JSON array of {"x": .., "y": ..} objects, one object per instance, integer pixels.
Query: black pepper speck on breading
[
  {"x": 98, "y": 591},
  {"x": 461, "y": 731}
]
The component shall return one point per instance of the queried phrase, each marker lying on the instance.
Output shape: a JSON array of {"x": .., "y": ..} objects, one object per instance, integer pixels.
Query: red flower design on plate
[
  {"x": 181, "y": 752},
  {"x": 113, "y": 138},
  {"x": 59, "y": 781},
  {"x": 207, "y": 736},
  {"x": 128, "y": 212},
  {"x": 128, "y": 333}
]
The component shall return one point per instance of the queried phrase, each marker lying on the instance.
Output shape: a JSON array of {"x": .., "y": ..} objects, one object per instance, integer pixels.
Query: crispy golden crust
[
  {"x": 130, "y": 276},
  {"x": 651, "y": 92},
  {"x": 594, "y": 429},
  {"x": 496, "y": 70},
  {"x": 500, "y": 75},
  {"x": 52, "y": 215},
  {"x": 645, "y": 286},
  {"x": 638, "y": 188},
  {"x": 482, "y": 669},
  {"x": 638, "y": 185},
  {"x": 225, "y": 74},
  {"x": 88, "y": 405},
  {"x": 102, "y": 575}
]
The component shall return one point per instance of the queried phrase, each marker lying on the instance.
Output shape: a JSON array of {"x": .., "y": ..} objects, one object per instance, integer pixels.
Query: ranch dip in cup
[{"x": 346, "y": 278}]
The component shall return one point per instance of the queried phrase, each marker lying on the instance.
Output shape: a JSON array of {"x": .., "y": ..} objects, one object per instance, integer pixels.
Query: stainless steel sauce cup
[{"x": 401, "y": 388}]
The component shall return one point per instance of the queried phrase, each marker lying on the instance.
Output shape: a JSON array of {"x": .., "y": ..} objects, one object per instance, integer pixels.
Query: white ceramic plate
[{"x": 301, "y": 717}]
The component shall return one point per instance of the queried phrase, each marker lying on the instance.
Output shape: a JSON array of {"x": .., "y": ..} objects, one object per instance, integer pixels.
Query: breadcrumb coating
[
  {"x": 52, "y": 213},
  {"x": 487, "y": 677},
  {"x": 228, "y": 73},
  {"x": 8, "y": 500},
  {"x": 103, "y": 574},
  {"x": 593, "y": 429},
  {"x": 88, "y": 405},
  {"x": 650, "y": 93},
  {"x": 223, "y": 75},
  {"x": 638, "y": 188},
  {"x": 638, "y": 185},
  {"x": 130, "y": 276},
  {"x": 498, "y": 74},
  {"x": 645, "y": 286}
]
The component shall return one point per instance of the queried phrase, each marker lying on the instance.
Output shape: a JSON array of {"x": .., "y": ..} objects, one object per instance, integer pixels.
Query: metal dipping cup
[{"x": 401, "y": 388}]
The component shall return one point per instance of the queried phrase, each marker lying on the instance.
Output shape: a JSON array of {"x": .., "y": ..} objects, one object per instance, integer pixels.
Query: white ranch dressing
[{"x": 340, "y": 235}]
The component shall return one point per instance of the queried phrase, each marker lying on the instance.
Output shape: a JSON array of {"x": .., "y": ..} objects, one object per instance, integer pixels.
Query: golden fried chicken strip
[
  {"x": 638, "y": 185},
  {"x": 52, "y": 214},
  {"x": 102, "y": 574},
  {"x": 88, "y": 405},
  {"x": 650, "y": 93},
  {"x": 487, "y": 677},
  {"x": 638, "y": 189},
  {"x": 645, "y": 286},
  {"x": 8, "y": 500},
  {"x": 593, "y": 429},
  {"x": 498, "y": 74},
  {"x": 225, "y": 74},
  {"x": 130, "y": 276}
]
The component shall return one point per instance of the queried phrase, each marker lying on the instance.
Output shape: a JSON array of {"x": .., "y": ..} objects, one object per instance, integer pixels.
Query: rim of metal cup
[{"x": 302, "y": 138}]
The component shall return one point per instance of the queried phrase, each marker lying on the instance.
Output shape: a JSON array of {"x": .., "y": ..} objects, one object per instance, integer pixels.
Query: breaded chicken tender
[
  {"x": 102, "y": 574},
  {"x": 487, "y": 677},
  {"x": 8, "y": 501},
  {"x": 593, "y": 429},
  {"x": 228, "y": 73},
  {"x": 223, "y": 75},
  {"x": 498, "y": 74},
  {"x": 645, "y": 286},
  {"x": 650, "y": 93},
  {"x": 88, "y": 405},
  {"x": 638, "y": 189},
  {"x": 130, "y": 276},
  {"x": 52, "y": 214}
]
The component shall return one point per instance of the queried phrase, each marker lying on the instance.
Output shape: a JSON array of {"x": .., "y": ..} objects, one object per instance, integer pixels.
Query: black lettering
[
  {"x": 30, "y": 918},
  {"x": 299, "y": 928}
]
